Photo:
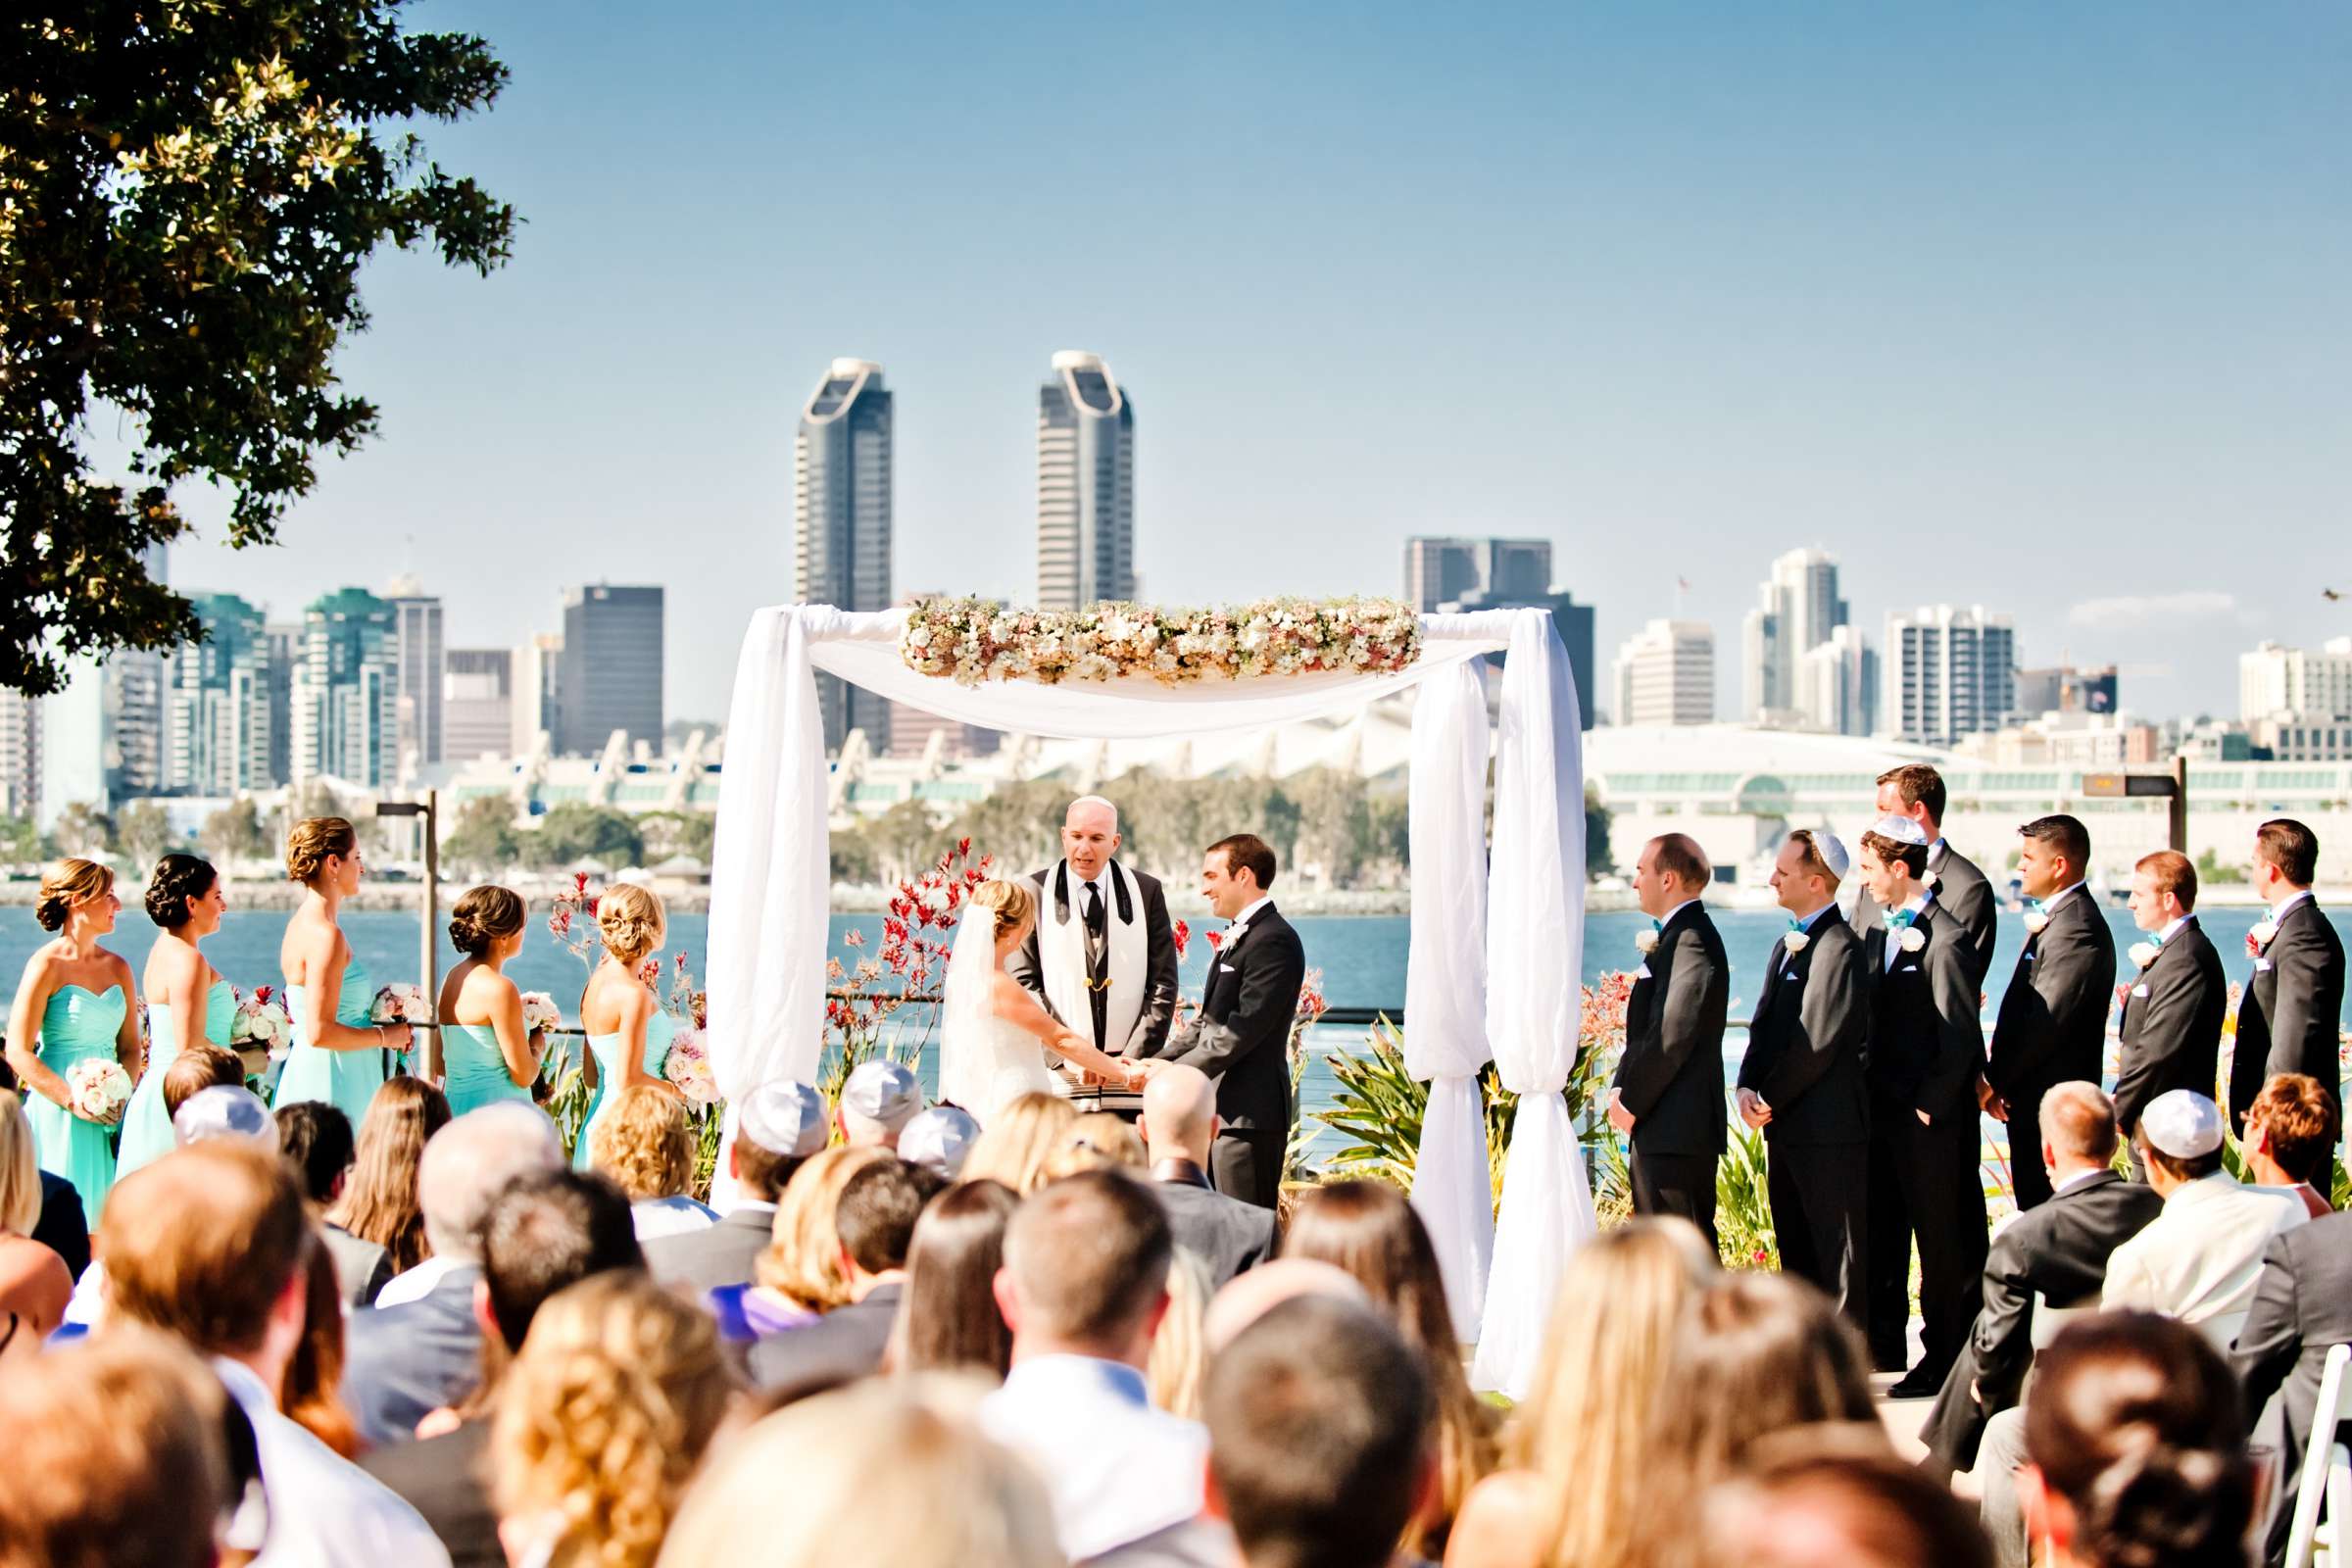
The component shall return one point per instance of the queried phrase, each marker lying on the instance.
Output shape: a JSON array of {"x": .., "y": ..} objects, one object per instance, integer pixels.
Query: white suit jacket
[{"x": 2198, "y": 1259}]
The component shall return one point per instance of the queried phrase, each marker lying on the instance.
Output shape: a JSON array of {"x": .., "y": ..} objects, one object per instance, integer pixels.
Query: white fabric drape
[
  {"x": 1535, "y": 1000},
  {"x": 1446, "y": 980}
]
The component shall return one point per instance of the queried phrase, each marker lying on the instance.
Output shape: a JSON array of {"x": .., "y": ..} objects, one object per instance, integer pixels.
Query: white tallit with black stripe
[{"x": 1062, "y": 951}]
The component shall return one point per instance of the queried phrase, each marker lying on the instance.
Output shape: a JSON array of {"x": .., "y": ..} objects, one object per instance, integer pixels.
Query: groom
[{"x": 1103, "y": 954}]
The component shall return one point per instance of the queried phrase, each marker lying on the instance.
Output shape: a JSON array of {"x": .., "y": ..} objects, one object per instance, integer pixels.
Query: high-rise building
[
  {"x": 1439, "y": 571},
  {"x": 538, "y": 693},
  {"x": 612, "y": 677},
  {"x": 1953, "y": 673},
  {"x": 841, "y": 472},
  {"x": 1666, "y": 675},
  {"x": 1085, "y": 485},
  {"x": 285, "y": 642},
  {"x": 345, "y": 698},
  {"x": 417, "y": 630},
  {"x": 1837, "y": 684},
  {"x": 19, "y": 754},
  {"x": 221, "y": 720},
  {"x": 1451, "y": 571},
  {"x": 1798, "y": 609},
  {"x": 2301, "y": 683},
  {"x": 2066, "y": 689},
  {"x": 477, "y": 703}
]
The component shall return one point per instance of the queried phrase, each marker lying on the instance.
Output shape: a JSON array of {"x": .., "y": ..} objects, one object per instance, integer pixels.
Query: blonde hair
[
  {"x": 898, "y": 1465},
  {"x": 19, "y": 1169},
  {"x": 632, "y": 923},
  {"x": 1584, "y": 1430},
  {"x": 802, "y": 1260},
  {"x": 604, "y": 1415},
  {"x": 1097, "y": 1141},
  {"x": 643, "y": 1142},
  {"x": 313, "y": 840},
  {"x": 1179, "y": 1348},
  {"x": 486, "y": 914},
  {"x": 66, "y": 883},
  {"x": 1019, "y": 1141},
  {"x": 1008, "y": 903}
]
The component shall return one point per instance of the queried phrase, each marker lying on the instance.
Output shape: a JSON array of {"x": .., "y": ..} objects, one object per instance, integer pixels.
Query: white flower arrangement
[
  {"x": 1795, "y": 942},
  {"x": 2035, "y": 922},
  {"x": 540, "y": 1012},
  {"x": 1912, "y": 940},
  {"x": 98, "y": 1088},
  {"x": 2262, "y": 932},
  {"x": 400, "y": 1003},
  {"x": 2142, "y": 954},
  {"x": 262, "y": 1022},
  {"x": 688, "y": 1068},
  {"x": 1646, "y": 943},
  {"x": 970, "y": 641}
]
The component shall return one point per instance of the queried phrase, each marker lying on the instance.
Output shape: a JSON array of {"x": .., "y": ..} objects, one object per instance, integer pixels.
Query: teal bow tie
[
  {"x": 2035, "y": 905},
  {"x": 1796, "y": 924},
  {"x": 1902, "y": 919},
  {"x": 1658, "y": 926}
]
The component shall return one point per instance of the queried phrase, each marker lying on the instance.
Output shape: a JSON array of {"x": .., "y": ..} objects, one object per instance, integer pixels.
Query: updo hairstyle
[
  {"x": 484, "y": 916},
  {"x": 177, "y": 878},
  {"x": 632, "y": 923},
  {"x": 1009, "y": 902},
  {"x": 313, "y": 840},
  {"x": 65, "y": 884}
]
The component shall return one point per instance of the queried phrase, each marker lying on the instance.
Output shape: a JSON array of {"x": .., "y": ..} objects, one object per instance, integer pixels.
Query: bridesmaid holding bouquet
[{"x": 337, "y": 1054}]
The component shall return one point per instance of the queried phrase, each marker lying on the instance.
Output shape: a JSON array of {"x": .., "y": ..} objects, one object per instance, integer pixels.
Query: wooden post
[{"x": 2179, "y": 804}]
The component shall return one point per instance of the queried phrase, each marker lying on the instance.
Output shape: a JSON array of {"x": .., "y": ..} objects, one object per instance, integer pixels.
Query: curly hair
[
  {"x": 632, "y": 921},
  {"x": 802, "y": 1260},
  {"x": 65, "y": 884},
  {"x": 485, "y": 915},
  {"x": 177, "y": 878},
  {"x": 313, "y": 840},
  {"x": 604, "y": 1415},
  {"x": 643, "y": 1142}
]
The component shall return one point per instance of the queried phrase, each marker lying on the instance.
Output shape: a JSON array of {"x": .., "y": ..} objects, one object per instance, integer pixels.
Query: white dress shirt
[
  {"x": 2059, "y": 897},
  {"x": 1894, "y": 933},
  {"x": 325, "y": 1512},
  {"x": 676, "y": 1215},
  {"x": 1240, "y": 921},
  {"x": 2279, "y": 910},
  {"x": 416, "y": 1284},
  {"x": 2199, "y": 1258},
  {"x": 1117, "y": 1469}
]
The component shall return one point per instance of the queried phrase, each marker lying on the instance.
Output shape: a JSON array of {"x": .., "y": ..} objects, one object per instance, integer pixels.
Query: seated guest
[
  {"x": 2302, "y": 1307},
  {"x": 1098, "y": 1140},
  {"x": 875, "y": 1221},
  {"x": 379, "y": 1198},
  {"x": 130, "y": 1470},
  {"x": 416, "y": 1356},
  {"x": 63, "y": 1228},
  {"x": 950, "y": 1322},
  {"x": 1577, "y": 1480},
  {"x": 2056, "y": 1251},
  {"x": 890, "y": 1472},
  {"x": 602, "y": 1421},
  {"x": 778, "y": 1127},
  {"x": 224, "y": 1110},
  {"x": 938, "y": 1140},
  {"x": 1319, "y": 1418},
  {"x": 1180, "y": 1122},
  {"x": 799, "y": 1278},
  {"x": 1827, "y": 1496},
  {"x": 2291, "y": 1129},
  {"x": 314, "y": 1138},
  {"x": 2199, "y": 1258},
  {"x": 209, "y": 1244},
  {"x": 1180, "y": 1345},
  {"x": 644, "y": 1141},
  {"x": 545, "y": 1232},
  {"x": 1247, "y": 1298},
  {"x": 312, "y": 1390},
  {"x": 35, "y": 1286},
  {"x": 198, "y": 1067},
  {"x": 1084, "y": 1282},
  {"x": 1026, "y": 1131},
  {"x": 877, "y": 1100},
  {"x": 1370, "y": 1229},
  {"x": 2136, "y": 1449}
]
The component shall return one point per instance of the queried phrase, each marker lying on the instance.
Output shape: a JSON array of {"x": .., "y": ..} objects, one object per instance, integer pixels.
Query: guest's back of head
[
  {"x": 877, "y": 1213},
  {"x": 121, "y": 1462},
  {"x": 1755, "y": 1354},
  {"x": 1835, "y": 1497},
  {"x": 198, "y": 1067},
  {"x": 645, "y": 1143},
  {"x": 950, "y": 1321},
  {"x": 468, "y": 1161},
  {"x": 545, "y": 1232},
  {"x": 1086, "y": 1260},
  {"x": 802, "y": 1260},
  {"x": 204, "y": 1243},
  {"x": 380, "y": 1201},
  {"x": 1320, "y": 1417},
  {"x": 1097, "y": 1140},
  {"x": 316, "y": 1139},
  {"x": 1019, "y": 1139}
]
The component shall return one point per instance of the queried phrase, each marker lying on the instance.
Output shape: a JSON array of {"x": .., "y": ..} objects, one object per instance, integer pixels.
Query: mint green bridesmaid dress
[
  {"x": 146, "y": 1124},
  {"x": 344, "y": 1079},
  {"x": 79, "y": 1025}
]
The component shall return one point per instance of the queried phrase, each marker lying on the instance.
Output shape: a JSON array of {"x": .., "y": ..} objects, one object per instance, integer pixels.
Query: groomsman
[
  {"x": 2052, "y": 1026},
  {"x": 2174, "y": 1000},
  {"x": 2294, "y": 1005},
  {"x": 1926, "y": 1048},
  {"x": 1802, "y": 1080},
  {"x": 1668, "y": 1094}
]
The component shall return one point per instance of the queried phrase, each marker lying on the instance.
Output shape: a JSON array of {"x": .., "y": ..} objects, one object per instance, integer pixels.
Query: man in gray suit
[
  {"x": 1180, "y": 1126},
  {"x": 2302, "y": 1306},
  {"x": 875, "y": 1218},
  {"x": 404, "y": 1362},
  {"x": 778, "y": 1127}
]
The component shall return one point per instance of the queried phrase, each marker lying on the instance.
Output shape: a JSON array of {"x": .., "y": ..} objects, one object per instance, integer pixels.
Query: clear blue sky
[{"x": 2047, "y": 308}]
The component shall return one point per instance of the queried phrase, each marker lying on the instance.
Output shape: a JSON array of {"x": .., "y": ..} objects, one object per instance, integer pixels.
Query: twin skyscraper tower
[{"x": 841, "y": 480}]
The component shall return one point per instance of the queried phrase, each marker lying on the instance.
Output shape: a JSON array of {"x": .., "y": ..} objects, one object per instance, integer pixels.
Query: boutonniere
[
  {"x": 1795, "y": 942},
  {"x": 2143, "y": 954},
  {"x": 2260, "y": 936},
  {"x": 1646, "y": 943},
  {"x": 1931, "y": 879},
  {"x": 1912, "y": 940},
  {"x": 2035, "y": 922}
]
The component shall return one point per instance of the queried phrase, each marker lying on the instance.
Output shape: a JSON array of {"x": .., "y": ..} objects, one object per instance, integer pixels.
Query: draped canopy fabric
[{"x": 1494, "y": 960}]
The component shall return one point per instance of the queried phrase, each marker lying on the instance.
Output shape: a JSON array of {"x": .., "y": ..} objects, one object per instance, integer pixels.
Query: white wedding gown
[{"x": 984, "y": 1060}]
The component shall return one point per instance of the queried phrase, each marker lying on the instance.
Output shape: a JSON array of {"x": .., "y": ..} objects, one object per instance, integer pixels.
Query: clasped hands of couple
[{"x": 1134, "y": 1075}]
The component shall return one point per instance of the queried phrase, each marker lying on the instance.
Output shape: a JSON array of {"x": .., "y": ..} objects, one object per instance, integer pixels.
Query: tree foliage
[
  {"x": 188, "y": 189},
  {"x": 483, "y": 840},
  {"x": 235, "y": 832},
  {"x": 572, "y": 832},
  {"x": 143, "y": 832}
]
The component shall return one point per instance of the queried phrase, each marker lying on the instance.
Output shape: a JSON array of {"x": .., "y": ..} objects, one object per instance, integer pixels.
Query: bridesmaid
[
  {"x": 82, "y": 996},
  {"x": 186, "y": 997},
  {"x": 628, "y": 1033},
  {"x": 337, "y": 1054},
  {"x": 486, "y": 1054}
]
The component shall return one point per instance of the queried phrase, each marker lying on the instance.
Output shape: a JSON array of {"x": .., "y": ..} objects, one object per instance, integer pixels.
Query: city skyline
[{"x": 2025, "y": 310}]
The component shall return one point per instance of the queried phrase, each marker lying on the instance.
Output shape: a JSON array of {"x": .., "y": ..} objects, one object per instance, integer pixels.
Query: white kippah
[
  {"x": 1901, "y": 829},
  {"x": 938, "y": 1140},
  {"x": 1832, "y": 849},
  {"x": 223, "y": 1111},
  {"x": 2181, "y": 1123},
  {"x": 883, "y": 1093},
  {"x": 786, "y": 1118}
]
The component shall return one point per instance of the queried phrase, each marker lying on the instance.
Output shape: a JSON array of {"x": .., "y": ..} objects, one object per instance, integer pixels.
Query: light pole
[{"x": 429, "y": 951}]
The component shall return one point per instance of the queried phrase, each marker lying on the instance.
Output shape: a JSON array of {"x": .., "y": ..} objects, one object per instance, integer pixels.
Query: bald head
[
  {"x": 470, "y": 1162},
  {"x": 1255, "y": 1293},
  {"x": 1090, "y": 835},
  {"x": 1180, "y": 1114}
]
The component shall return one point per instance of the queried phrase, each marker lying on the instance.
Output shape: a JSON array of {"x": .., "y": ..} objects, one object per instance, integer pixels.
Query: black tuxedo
[
  {"x": 2052, "y": 1026},
  {"x": 1963, "y": 893},
  {"x": 2172, "y": 1037},
  {"x": 1925, "y": 1047},
  {"x": 2302, "y": 1306},
  {"x": 1242, "y": 1039},
  {"x": 2292, "y": 1010},
  {"x": 1805, "y": 1052},
  {"x": 1058, "y": 883},
  {"x": 1670, "y": 1078},
  {"x": 2058, "y": 1252}
]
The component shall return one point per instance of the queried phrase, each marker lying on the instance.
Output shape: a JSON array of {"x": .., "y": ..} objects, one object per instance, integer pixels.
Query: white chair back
[
  {"x": 2327, "y": 1470},
  {"x": 2048, "y": 1320}
]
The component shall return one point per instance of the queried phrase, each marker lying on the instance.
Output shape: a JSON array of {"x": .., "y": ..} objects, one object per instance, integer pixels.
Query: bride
[{"x": 994, "y": 1032}]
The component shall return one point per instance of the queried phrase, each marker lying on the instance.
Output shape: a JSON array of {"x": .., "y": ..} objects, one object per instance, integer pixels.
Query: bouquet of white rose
[
  {"x": 262, "y": 1022},
  {"x": 98, "y": 1088},
  {"x": 539, "y": 1011},
  {"x": 400, "y": 1003},
  {"x": 688, "y": 1068}
]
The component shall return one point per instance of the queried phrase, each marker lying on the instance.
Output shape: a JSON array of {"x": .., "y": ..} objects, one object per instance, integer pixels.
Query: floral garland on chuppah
[{"x": 973, "y": 640}]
